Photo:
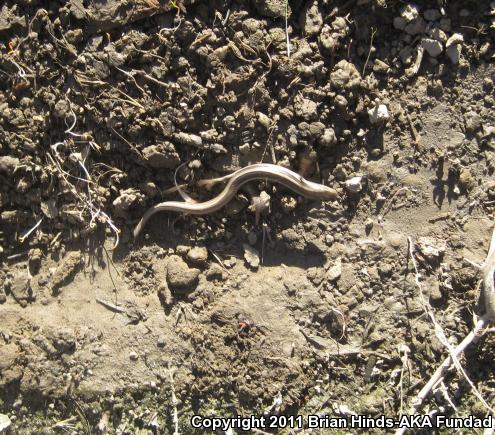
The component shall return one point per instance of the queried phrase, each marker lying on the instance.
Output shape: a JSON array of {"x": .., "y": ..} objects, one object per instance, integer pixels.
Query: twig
[
  {"x": 110, "y": 306},
  {"x": 26, "y": 235},
  {"x": 175, "y": 418},
  {"x": 488, "y": 269},
  {"x": 287, "y": 27},
  {"x": 373, "y": 31}
]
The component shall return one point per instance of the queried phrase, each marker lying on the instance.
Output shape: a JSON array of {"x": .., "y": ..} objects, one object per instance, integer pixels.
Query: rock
[
  {"x": 251, "y": 256},
  {"x": 20, "y": 288},
  {"x": 272, "y": 8},
  {"x": 62, "y": 109},
  {"x": 454, "y": 53},
  {"x": 133, "y": 356},
  {"x": 8, "y": 164},
  {"x": 437, "y": 34},
  {"x": 66, "y": 270},
  {"x": 354, "y": 184},
  {"x": 161, "y": 156},
  {"x": 409, "y": 12},
  {"x": 4, "y": 423},
  {"x": 380, "y": 67},
  {"x": 188, "y": 139},
  {"x": 334, "y": 273},
  {"x": 310, "y": 19},
  {"x": 416, "y": 27},
  {"x": 328, "y": 138},
  {"x": 305, "y": 108},
  {"x": 432, "y": 14},
  {"x": 180, "y": 277},
  {"x": 399, "y": 23},
  {"x": 456, "y": 38},
  {"x": 379, "y": 114},
  {"x": 433, "y": 48},
  {"x": 127, "y": 198},
  {"x": 429, "y": 251},
  {"x": 466, "y": 179},
  {"x": 162, "y": 341},
  {"x": 49, "y": 208},
  {"x": 34, "y": 260},
  {"x": 214, "y": 272},
  {"x": 11, "y": 19},
  {"x": 345, "y": 76},
  {"x": 198, "y": 255},
  {"x": 473, "y": 121}
]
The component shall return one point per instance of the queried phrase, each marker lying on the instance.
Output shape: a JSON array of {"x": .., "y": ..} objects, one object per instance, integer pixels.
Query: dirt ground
[{"x": 306, "y": 307}]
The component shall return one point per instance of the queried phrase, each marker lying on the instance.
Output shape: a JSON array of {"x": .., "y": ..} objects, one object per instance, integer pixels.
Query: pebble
[
  {"x": 432, "y": 14},
  {"x": 354, "y": 185},
  {"x": 433, "y": 48},
  {"x": 133, "y": 356},
  {"x": 454, "y": 53},
  {"x": 251, "y": 256},
  {"x": 198, "y": 255},
  {"x": 311, "y": 20},
  {"x": 214, "y": 272},
  {"x": 328, "y": 138},
  {"x": 4, "y": 423},
  {"x": 181, "y": 277},
  {"x": 379, "y": 114},
  {"x": 409, "y": 12},
  {"x": 162, "y": 341},
  {"x": 345, "y": 75},
  {"x": 334, "y": 273}
]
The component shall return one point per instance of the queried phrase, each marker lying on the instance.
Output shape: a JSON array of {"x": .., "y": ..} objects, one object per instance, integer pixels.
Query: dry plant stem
[
  {"x": 472, "y": 337},
  {"x": 488, "y": 269},
  {"x": 175, "y": 417},
  {"x": 287, "y": 27}
]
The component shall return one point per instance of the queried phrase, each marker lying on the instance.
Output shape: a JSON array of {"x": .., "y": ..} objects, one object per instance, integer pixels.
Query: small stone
[
  {"x": 433, "y": 48},
  {"x": 345, "y": 75},
  {"x": 409, "y": 12},
  {"x": 438, "y": 35},
  {"x": 187, "y": 139},
  {"x": 399, "y": 23},
  {"x": 334, "y": 273},
  {"x": 328, "y": 138},
  {"x": 161, "y": 156},
  {"x": 66, "y": 270},
  {"x": 473, "y": 121},
  {"x": 8, "y": 163},
  {"x": 379, "y": 114},
  {"x": 4, "y": 423},
  {"x": 380, "y": 67},
  {"x": 466, "y": 179},
  {"x": 180, "y": 277},
  {"x": 214, "y": 272},
  {"x": 311, "y": 20},
  {"x": 429, "y": 251},
  {"x": 252, "y": 238},
  {"x": 454, "y": 53},
  {"x": 198, "y": 255},
  {"x": 432, "y": 14},
  {"x": 416, "y": 27},
  {"x": 162, "y": 341},
  {"x": 34, "y": 260},
  {"x": 133, "y": 356},
  {"x": 263, "y": 120},
  {"x": 354, "y": 184},
  {"x": 251, "y": 256},
  {"x": 245, "y": 149},
  {"x": 456, "y": 38}
]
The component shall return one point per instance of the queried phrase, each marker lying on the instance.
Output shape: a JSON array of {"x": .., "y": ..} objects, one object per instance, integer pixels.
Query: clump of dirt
[{"x": 276, "y": 304}]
